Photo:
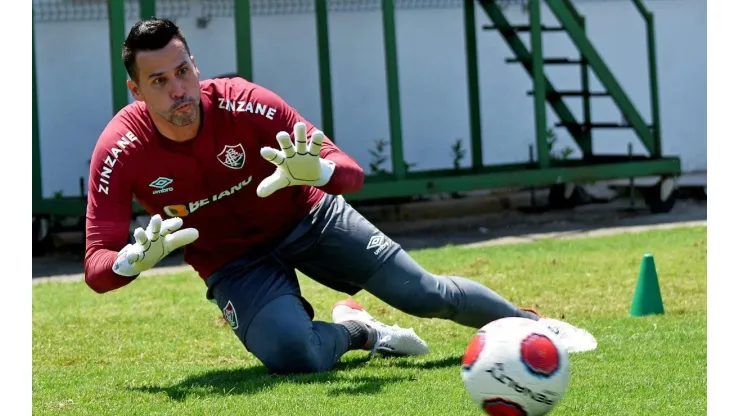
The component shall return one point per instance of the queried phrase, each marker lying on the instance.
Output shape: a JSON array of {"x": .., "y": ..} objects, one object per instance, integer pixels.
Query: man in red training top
[{"x": 218, "y": 157}]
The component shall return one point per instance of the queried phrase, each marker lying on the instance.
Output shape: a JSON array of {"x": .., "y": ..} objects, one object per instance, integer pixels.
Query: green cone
[{"x": 647, "y": 299}]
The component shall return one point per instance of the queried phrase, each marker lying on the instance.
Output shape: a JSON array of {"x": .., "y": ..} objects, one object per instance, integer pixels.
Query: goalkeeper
[{"x": 252, "y": 191}]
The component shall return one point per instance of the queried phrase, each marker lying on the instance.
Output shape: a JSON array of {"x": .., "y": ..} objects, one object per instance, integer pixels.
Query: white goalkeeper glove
[
  {"x": 152, "y": 245},
  {"x": 297, "y": 164}
]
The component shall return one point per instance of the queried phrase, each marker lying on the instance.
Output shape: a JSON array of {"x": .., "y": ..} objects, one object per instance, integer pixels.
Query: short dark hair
[{"x": 149, "y": 35}]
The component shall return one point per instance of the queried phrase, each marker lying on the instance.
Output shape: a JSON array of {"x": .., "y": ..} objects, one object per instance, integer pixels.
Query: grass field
[{"x": 158, "y": 347}]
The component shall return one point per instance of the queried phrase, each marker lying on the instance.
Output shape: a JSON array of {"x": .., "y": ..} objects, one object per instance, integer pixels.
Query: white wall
[{"x": 75, "y": 96}]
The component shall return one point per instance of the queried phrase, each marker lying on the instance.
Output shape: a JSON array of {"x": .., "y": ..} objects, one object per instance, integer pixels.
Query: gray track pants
[{"x": 338, "y": 247}]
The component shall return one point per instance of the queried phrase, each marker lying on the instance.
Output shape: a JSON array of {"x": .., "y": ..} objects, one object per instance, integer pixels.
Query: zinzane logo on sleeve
[{"x": 110, "y": 161}]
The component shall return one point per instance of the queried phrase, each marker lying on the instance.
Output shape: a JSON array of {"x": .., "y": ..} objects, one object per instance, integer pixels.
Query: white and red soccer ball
[{"x": 515, "y": 367}]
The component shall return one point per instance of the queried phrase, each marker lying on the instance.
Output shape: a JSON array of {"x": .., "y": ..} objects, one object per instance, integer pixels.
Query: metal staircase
[{"x": 534, "y": 61}]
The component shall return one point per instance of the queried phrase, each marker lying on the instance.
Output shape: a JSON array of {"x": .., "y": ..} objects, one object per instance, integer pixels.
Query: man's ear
[
  {"x": 195, "y": 65},
  {"x": 134, "y": 90}
]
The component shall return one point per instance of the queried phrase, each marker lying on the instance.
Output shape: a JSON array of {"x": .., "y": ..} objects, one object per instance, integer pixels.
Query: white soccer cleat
[
  {"x": 391, "y": 340},
  {"x": 574, "y": 339}
]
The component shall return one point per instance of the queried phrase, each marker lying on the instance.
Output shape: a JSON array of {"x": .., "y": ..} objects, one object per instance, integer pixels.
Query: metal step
[
  {"x": 526, "y": 28},
  {"x": 600, "y": 125},
  {"x": 575, "y": 93},
  {"x": 550, "y": 61}
]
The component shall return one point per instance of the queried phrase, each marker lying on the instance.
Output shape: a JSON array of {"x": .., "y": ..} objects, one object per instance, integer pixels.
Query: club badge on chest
[{"x": 232, "y": 156}]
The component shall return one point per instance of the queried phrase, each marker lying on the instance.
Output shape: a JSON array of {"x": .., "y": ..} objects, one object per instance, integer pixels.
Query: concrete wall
[{"x": 75, "y": 93}]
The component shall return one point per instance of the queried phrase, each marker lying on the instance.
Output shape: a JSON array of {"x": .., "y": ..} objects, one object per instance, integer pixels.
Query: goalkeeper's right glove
[{"x": 152, "y": 245}]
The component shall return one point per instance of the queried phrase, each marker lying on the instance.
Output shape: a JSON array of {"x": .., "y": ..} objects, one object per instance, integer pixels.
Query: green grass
[{"x": 157, "y": 347}]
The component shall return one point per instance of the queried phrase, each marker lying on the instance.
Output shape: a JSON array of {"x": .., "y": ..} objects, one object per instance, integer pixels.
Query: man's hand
[
  {"x": 152, "y": 245},
  {"x": 296, "y": 165}
]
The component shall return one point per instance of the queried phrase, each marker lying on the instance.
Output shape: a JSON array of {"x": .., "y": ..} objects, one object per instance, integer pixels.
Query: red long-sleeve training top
[{"x": 210, "y": 182}]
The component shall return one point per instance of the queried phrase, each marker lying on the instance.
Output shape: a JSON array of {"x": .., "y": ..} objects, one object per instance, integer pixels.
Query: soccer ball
[{"x": 515, "y": 367}]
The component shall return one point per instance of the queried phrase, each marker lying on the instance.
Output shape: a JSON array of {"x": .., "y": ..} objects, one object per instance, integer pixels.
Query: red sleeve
[
  {"x": 109, "y": 201},
  {"x": 348, "y": 175}
]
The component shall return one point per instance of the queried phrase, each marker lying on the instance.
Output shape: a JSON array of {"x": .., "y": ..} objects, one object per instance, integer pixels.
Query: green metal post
[
  {"x": 654, "y": 93},
  {"x": 538, "y": 77},
  {"x": 322, "y": 38},
  {"x": 641, "y": 8},
  {"x": 571, "y": 8},
  {"x": 117, "y": 35},
  {"x": 37, "y": 195},
  {"x": 394, "y": 100},
  {"x": 147, "y": 9},
  {"x": 243, "y": 29},
  {"x": 586, "y": 142},
  {"x": 653, "y": 71},
  {"x": 471, "y": 53}
]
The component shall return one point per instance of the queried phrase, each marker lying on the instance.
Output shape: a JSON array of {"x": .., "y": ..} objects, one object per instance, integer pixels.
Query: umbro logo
[
  {"x": 161, "y": 185},
  {"x": 378, "y": 243}
]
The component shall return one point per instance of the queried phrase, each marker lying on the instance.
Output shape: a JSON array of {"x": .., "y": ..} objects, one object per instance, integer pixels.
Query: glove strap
[
  {"x": 327, "y": 170},
  {"x": 122, "y": 267}
]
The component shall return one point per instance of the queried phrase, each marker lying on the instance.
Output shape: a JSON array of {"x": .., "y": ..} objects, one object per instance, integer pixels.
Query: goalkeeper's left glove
[{"x": 297, "y": 164}]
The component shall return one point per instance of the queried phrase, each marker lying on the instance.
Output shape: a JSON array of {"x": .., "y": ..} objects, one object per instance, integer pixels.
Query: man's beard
[{"x": 183, "y": 119}]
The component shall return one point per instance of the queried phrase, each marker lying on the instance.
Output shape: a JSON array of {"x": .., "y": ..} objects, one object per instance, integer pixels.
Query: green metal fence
[{"x": 402, "y": 183}]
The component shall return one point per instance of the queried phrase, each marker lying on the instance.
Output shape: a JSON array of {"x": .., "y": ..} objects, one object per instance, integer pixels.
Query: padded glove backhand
[{"x": 152, "y": 245}]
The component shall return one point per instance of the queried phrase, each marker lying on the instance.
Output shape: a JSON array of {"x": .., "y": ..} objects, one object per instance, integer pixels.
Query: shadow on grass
[{"x": 253, "y": 380}]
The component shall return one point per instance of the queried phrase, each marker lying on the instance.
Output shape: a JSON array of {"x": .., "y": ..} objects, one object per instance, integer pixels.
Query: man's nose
[{"x": 178, "y": 90}]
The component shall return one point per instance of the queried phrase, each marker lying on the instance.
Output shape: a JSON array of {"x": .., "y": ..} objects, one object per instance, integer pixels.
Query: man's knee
[
  {"x": 285, "y": 352},
  {"x": 281, "y": 336}
]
